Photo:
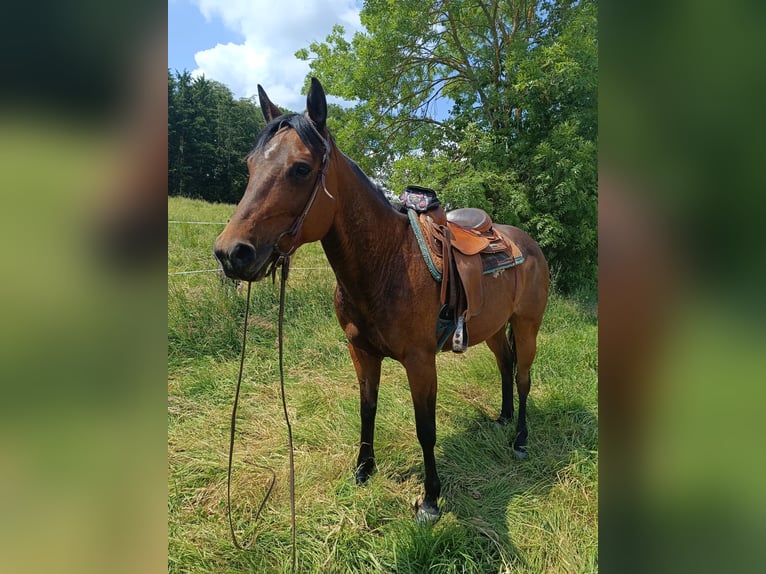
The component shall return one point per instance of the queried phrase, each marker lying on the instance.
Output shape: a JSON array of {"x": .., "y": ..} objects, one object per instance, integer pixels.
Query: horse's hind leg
[
  {"x": 502, "y": 347},
  {"x": 368, "y": 372},
  {"x": 524, "y": 332}
]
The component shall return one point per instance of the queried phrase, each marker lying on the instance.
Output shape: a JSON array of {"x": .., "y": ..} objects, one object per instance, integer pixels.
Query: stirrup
[
  {"x": 460, "y": 338},
  {"x": 445, "y": 326}
]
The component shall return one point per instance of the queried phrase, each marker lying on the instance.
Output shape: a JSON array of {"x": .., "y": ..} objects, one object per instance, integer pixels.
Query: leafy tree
[
  {"x": 520, "y": 136},
  {"x": 209, "y": 136}
]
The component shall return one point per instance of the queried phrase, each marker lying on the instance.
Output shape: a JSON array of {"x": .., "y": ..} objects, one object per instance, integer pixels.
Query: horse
[{"x": 302, "y": 188}]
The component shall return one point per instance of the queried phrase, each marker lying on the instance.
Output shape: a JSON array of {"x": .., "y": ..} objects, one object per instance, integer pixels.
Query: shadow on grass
[{"x": 485, "y": 488}]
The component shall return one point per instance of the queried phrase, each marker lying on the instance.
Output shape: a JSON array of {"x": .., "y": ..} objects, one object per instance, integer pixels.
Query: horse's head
[{"x": 286, "y": 202}]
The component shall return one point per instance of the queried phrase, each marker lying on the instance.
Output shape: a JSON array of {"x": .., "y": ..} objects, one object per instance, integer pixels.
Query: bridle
[
  {"x": 281, "y": 258},
  {"x": 295, "y": 228}
]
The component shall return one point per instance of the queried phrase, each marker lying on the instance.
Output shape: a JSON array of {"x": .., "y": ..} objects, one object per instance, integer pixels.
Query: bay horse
[{"x": 301, "y": 189}]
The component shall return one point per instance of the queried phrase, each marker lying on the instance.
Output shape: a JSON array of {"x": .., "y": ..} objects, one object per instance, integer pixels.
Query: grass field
[{"x": 499, "y": 514}]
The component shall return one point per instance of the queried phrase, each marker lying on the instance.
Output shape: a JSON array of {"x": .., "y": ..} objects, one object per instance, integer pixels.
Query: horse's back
[
  {"x": 528, "y": 246},
  {"x": 534, "y": 275}
]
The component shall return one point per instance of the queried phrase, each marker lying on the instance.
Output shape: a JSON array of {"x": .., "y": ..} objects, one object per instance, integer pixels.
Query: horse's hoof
[
  {"x": 364, "y": 471},
  {"x": 521, "y": 453},
  {"x": 502, "y": 421},
  {"x": 361, "y": 476},
  {"x": 427, "y": 513}
]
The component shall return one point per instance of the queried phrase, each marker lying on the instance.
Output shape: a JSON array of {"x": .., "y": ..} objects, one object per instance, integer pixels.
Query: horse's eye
[{"x": 301, "y": 170}]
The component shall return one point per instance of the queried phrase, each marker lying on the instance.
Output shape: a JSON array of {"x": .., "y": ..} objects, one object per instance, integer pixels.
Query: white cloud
[{"x": 272, "y": 32}]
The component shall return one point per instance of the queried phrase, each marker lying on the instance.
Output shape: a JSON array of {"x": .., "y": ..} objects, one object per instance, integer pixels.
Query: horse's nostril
[
  {"x": 220, "y": 254},
  {"x": 242, "y": 254}
]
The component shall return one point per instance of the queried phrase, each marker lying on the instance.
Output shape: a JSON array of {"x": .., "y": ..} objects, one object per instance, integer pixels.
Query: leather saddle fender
[
  {"x": 466, "y": 241},
  {"x": 470, "y": 270}
]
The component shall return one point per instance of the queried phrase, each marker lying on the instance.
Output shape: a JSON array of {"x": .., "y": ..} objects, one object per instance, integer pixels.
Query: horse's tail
[{"x": 512, "y": 343}]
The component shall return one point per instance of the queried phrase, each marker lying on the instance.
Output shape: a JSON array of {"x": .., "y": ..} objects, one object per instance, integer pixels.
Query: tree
[
  {"x": 209, "y": 136},
  {"x": 520, "y": 135}
]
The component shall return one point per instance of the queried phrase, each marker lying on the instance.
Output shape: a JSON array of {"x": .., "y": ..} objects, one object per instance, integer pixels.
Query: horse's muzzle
[{"x": 243, "y": 261}]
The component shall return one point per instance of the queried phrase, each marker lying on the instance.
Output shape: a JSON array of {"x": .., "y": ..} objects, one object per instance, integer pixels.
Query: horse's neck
[{"x": 365, "y": 241}]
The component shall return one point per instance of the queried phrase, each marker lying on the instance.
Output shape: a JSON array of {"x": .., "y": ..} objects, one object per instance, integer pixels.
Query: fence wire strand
[{"x": 197, "y": 271}]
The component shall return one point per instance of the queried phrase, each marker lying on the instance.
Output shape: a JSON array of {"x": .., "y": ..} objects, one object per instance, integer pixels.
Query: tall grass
[{"x": 499, "y": 514}]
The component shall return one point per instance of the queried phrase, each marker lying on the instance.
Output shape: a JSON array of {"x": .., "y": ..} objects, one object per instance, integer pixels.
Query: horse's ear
[
  {"x": 316, "y": 105},
  {"x": 270, "y": 111}
]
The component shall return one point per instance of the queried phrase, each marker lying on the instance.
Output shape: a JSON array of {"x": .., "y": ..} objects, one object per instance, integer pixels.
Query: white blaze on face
[{"x": 270, "y": 150}]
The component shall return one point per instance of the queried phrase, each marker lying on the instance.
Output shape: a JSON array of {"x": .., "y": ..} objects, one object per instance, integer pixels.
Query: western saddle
[{"x": 459, "y": 247}]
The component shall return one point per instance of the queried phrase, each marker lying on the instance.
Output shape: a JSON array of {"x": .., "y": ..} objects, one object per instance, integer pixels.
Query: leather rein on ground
[
  {"x": 284, "y": 263},
  {"x": 282, "y": 260}
]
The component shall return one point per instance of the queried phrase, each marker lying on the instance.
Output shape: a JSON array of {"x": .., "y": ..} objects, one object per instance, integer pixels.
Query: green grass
[{"x": 499, "y": 514}]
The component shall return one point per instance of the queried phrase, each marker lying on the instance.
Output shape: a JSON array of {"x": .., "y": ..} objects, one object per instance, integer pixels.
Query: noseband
[{"x": 298, "y": 223}]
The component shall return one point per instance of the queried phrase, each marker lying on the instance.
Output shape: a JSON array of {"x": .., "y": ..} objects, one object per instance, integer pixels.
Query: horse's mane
[{"x": 379, "y": 190}]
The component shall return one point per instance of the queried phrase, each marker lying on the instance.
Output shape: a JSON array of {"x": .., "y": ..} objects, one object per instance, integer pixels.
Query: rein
[
  {"x": 282, "y": 260},
  {"x": 284, "y": 263}
]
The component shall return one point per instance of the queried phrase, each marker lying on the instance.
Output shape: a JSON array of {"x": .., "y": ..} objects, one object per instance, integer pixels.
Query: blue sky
[
  {"x": 189, "y": 33},
  {"x": 243, "y": 43}
]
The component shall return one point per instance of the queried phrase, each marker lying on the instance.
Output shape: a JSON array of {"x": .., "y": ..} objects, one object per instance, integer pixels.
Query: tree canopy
[
  {"x": 209, "y": 135},
  {"x": 494, "y": 104}
]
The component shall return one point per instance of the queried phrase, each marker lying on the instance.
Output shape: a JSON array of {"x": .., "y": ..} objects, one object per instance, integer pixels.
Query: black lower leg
[
  {"x": 428, "y": 508},
  {"x": 426, "y": 431},
  {"x": 507, "y": 365},
  {"x": 365, "y": 461},
  {"x": 506, "y": 409},
  {"x": 368, "y": 373},
  {"x": 520, "y": 444}
]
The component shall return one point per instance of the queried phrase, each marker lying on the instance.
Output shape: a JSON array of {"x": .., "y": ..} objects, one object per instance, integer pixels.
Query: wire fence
[
  {"x": 199, "y": 222},
  {"x": 217, "y": 270}
]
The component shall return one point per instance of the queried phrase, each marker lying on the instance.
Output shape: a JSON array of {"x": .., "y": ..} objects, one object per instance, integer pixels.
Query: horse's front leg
[
  {"x": 368, "y": 372},
  {"x": 421, "y": 374}
]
